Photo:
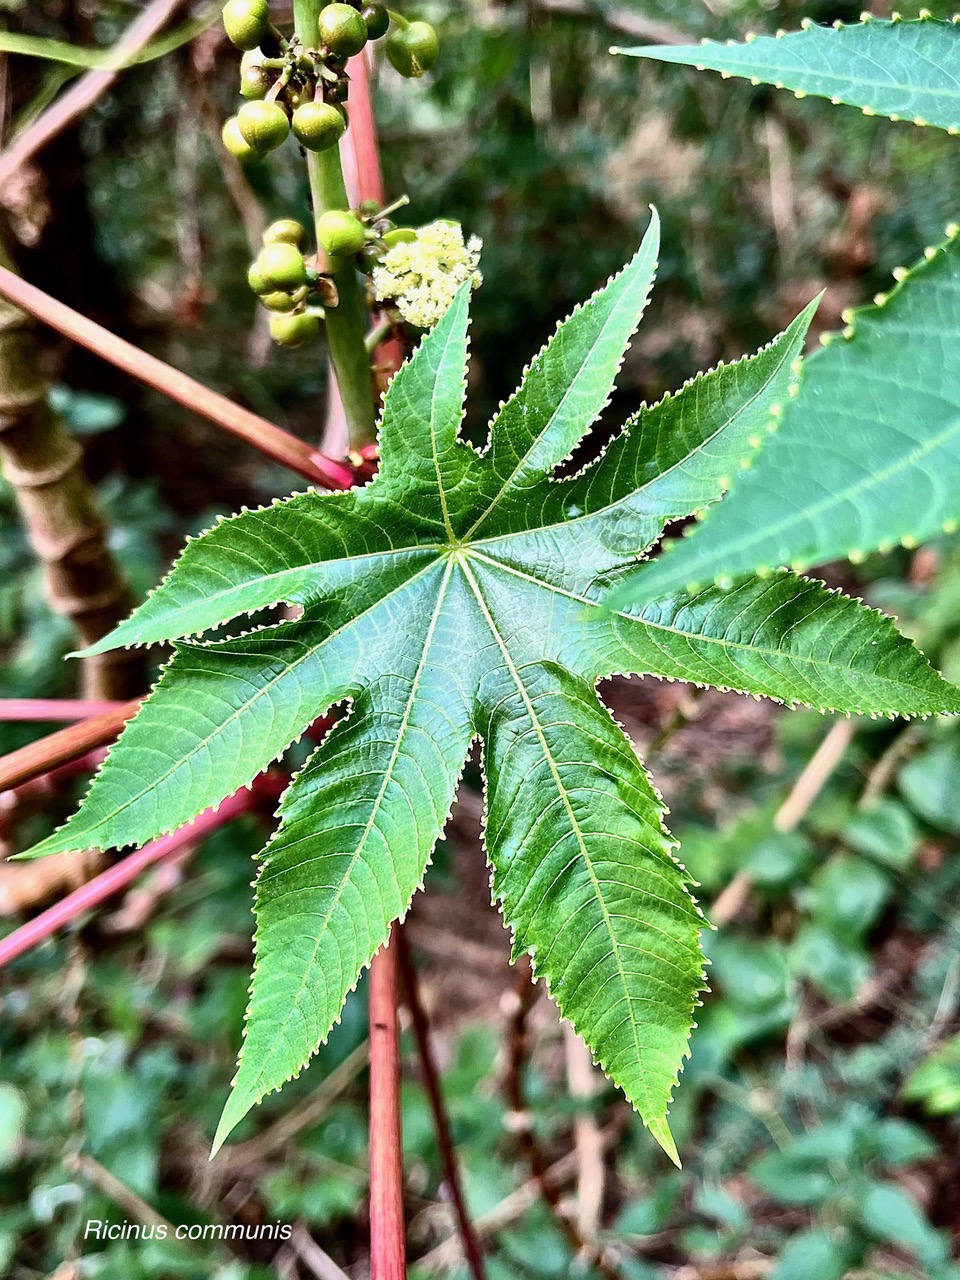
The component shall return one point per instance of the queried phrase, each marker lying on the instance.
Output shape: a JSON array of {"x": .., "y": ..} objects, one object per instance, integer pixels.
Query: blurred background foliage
[{"x": 818, "y": 1114}]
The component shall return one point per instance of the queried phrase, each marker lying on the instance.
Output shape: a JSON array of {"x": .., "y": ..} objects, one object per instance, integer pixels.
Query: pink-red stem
[
  {"x": 364, "y": 181},
  {"x": 63, "y": 746},
  {"x": 54, "y": 709},
  {"x": 117, "y": 877},
  {"x": 387, "y": 1233},
  {"x": 271, "y": 440}
]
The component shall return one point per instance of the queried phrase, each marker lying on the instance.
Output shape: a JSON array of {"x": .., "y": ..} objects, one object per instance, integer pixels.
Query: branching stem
[{"x": 472, "y": 1249}]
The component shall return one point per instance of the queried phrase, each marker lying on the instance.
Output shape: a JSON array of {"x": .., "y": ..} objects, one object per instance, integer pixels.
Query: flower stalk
[{"x": 346, "y": 322}]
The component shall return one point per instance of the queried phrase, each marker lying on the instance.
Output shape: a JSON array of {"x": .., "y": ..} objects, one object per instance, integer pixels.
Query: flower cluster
[{"x": 421, "y": 275}]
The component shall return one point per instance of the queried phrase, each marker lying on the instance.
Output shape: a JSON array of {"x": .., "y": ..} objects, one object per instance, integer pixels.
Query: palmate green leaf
[
  {"x": 904, "y": 70},
  {"x": 866, "y": 456},
  {"x": 460, "y": 596}
]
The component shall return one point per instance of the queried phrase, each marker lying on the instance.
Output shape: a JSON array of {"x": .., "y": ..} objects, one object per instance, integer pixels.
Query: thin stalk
[
  {"x": 472, "y": 1249},
  {"x": 117, "y": 877},
  {"x": 387, "y": 1235},
  {"x": 63, "y": 746},
  {"x": 363, "y": 176},
  {"x": 249, "y": 427},
  {"x": 346, "y": 323}
]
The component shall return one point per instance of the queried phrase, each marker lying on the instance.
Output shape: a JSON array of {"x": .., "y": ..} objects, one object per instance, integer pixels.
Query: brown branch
[
  {"x": 445, "y": 1257},
  {"x": 387, "y": 1233},
  {"x": 591, "y": 1173},
  {"x": 271, "y": 440},
  {"x": 472, "y": 1250},
  {"x": 86, "y": 91},
  {"x": 93, "y": 1172},
  {"x": 810, "y": 782},
  {"x": 529, "y": 1143},
  {"x": 63, "y": 746}
]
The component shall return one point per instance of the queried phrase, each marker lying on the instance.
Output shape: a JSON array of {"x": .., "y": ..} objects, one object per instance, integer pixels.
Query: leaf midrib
[
  {"x": 561, "y": 790},
  {"x": 369, "y": 825},
  {"x": 585, "y": 476},
  {"x": 571, "y": 386},
  {"x": 851, "y": 493},
  {"x": 815, "y": 663}
]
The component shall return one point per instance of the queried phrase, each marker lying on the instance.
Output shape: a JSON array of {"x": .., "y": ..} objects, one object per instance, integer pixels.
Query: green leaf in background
[
  {"x": 86, "y": 413},
  {"x": 809, "y": 1254},
  {"x": 72, "y": 55},
  {"x": 928, "y": 783},
  {"x": 12, "y": 1116},
  {"x": 835, "y": 964},
  {"x": 903, "y": 70},
  {"x": 887, "y": 1212},
  {"x": 935, "y": 1083},
  {"x": 898, "y": 1142},
  {"x": 885, "y": 831},
  {"x": 865, "y": 456},
  {"x": 848, "y": 893},
  {"x": 459, "y": 596}
]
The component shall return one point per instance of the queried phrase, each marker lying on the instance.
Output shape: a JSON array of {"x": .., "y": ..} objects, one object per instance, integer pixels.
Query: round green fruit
[
  {"x": 281, "y": 268},
  {"x": 377, "y": 20},
  {"x": 285, "y": 231},
  {"x": 399, "y": 235},
  {"x": 340, "y": 233},
  {"x": 278, "y": 301},
  {"x": 235, "y": 142},
  {"x": 246, "y": 22},
  {"x": 413, "y": 49},
  {"x": 294, "y": 330},
  {"x": 318, "y": 125},
  {"x": 256, "y": 281},
  {"x": 342, "y": 30},
  {"x": 264, "y": 125},
  {"x": 255, "y": 83}
]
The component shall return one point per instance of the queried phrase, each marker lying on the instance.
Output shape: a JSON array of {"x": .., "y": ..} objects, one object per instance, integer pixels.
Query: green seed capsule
[
  {"x": 340, "y": 233},
  {"x": 377, "y": 20},
  {"x": 342, "y": 30},
  {"x": 264, "y": 125},
  {"x": 235, "y": 142},
  {"x": 413, "y": 49},
  {"x": 285, "y": 231},
  {"x": 294, "y": 330},
  {"x": 256, "y": 280},
  {"x": 255, "y": 83},
  {"x": 399, "y": 235},
  {"x": 281, "y": 268},
  {"x": 246, "y": 22},
  {"x": 252, "y": 58},
  {"x": 278, "y": 301},
  {"x": 318, "y": 126}
]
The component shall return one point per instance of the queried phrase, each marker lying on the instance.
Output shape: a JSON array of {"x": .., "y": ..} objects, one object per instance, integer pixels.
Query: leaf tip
[{"x": 660, "y": 1132}]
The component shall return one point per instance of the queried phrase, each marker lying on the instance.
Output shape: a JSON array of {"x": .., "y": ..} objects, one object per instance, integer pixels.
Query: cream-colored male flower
[{"x": 421, "y": 276}]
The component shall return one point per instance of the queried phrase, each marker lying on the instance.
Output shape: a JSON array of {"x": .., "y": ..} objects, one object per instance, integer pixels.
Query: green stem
[{"x": 347, "y": 322}]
